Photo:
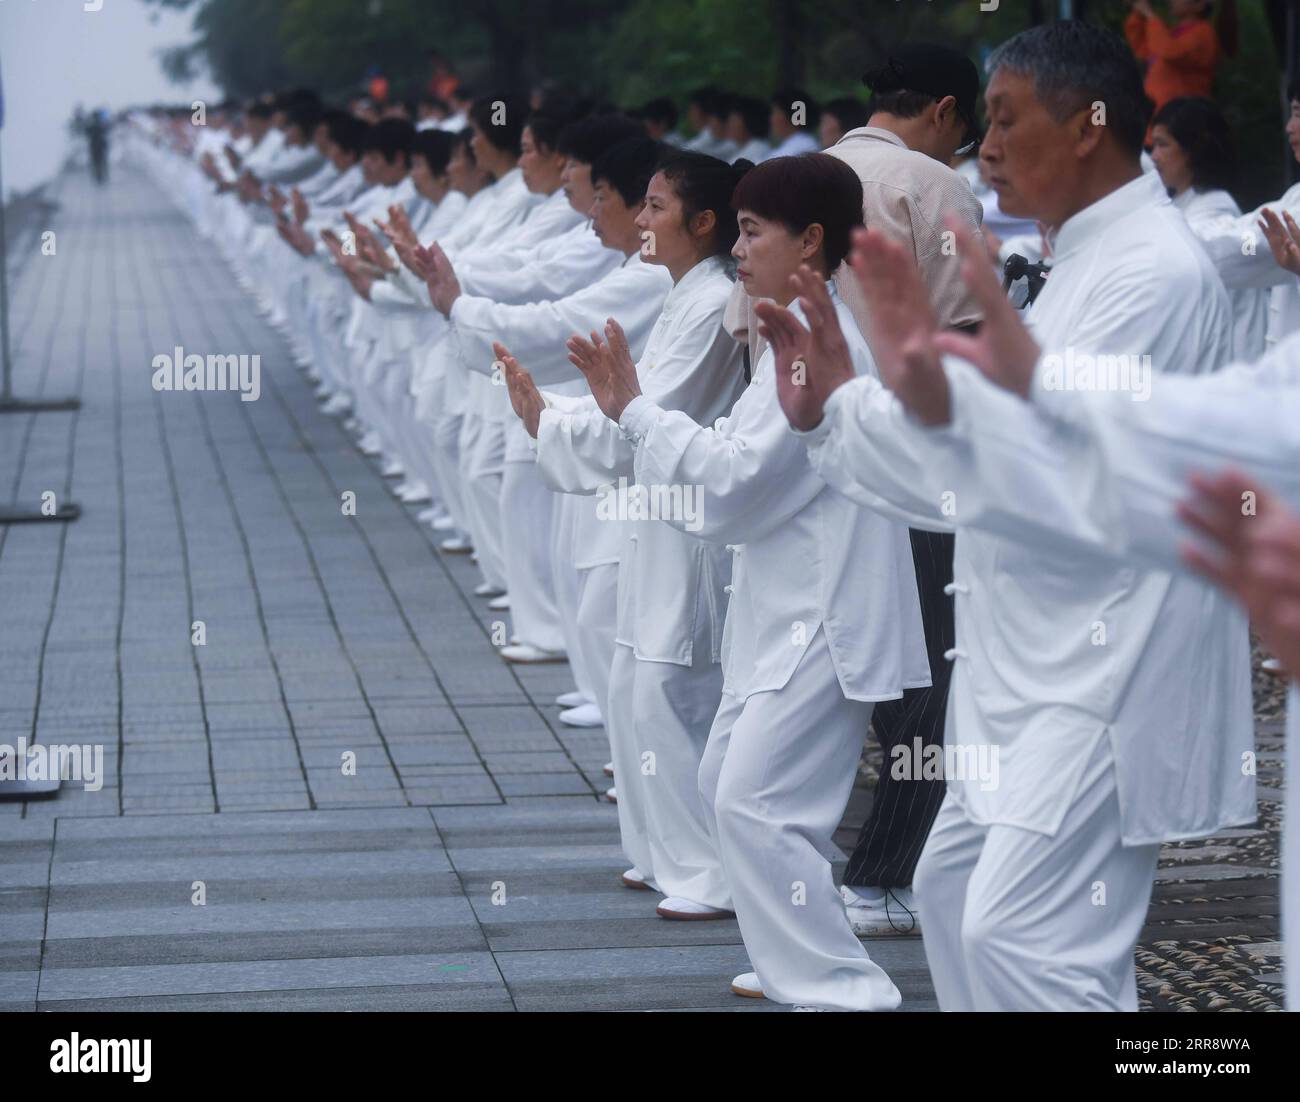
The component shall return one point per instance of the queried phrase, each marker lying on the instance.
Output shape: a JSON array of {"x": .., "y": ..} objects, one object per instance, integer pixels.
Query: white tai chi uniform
[
  {"x": 1111, "y": 480},
  {"x": 1243, "y": 258},
  {"x": 1206, "y": 212},
  {"x": 665, "y": 681},
  {"x": 1115, "y": 702},
  {"x": 536, "y": 333},
  {"x": 823, "y": 621}
]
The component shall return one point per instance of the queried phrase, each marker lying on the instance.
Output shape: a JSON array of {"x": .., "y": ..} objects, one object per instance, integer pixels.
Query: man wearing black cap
[{"x": 922, "y": 111}]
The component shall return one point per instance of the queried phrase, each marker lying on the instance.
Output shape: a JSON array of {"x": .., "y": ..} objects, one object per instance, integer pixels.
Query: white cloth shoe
[
  {"x": 443, "y": 522},
  {"x": 585, "y": 714},
  {"x": 747, "y": 985},
  {"x": 456, "y": 545},
  {"x": 339, "y": 403},
  {"x": 881, "y": 912},
  {"x": 570, "y": 699},
  {"x": 500, "y": 604},
  {"x": 635, "y": 878},
  {"x": 609, "y": 769},
  {"x": 426, "y": 515},
  {"x": 484, "y": 589},
  {"x": 687, "y": 910},
  {"x": 525, "y": 654},
  {"x": 393, "y": 469},
  {"x": 412, "y": 493},
  {"x": 611, "y": 795}
]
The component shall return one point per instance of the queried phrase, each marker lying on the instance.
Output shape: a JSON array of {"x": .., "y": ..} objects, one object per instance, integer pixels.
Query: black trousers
[{"x": 903, "y": 810}]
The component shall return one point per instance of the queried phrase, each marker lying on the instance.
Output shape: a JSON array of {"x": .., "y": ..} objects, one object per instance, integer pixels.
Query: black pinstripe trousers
[{"x": 904, "y": 810}]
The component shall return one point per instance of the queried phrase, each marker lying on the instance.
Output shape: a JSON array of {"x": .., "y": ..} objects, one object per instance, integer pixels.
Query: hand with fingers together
[
  {"x": 609, "y": 371},
  {"x": 1283, "y": 236},
  {"x": 812, "y": 363},
  {"x": 1253, "y": 552},
  {"x": 525, "y": 399},
  {"x": 444, "y": 287}
]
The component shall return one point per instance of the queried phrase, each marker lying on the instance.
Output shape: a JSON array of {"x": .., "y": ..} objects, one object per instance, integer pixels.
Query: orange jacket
[{"x": 1182, "y": 60}]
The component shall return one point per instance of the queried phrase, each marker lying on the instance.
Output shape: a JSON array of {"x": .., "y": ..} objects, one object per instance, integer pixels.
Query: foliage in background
[{"x": 628, "y": 52}]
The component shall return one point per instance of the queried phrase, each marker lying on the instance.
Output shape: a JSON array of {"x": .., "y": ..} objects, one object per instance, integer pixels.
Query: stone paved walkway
[{"x": 469, "y": 863}]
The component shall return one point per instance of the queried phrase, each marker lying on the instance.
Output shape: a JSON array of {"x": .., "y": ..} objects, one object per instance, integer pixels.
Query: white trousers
[
  {"x": 777, "y": 772},
  {"x": 527, "y": 514},
  {"x": 659, "y": 718},
  {"x": 482, "y": 457},
  {"x": 1017, "y": 920},
  {"x": 594, "y": 638}
]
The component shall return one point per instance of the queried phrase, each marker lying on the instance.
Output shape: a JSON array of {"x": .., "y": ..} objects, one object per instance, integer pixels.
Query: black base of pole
[
  {"x": 69, "y": 510},
  {"x": 38, "y": 405}
]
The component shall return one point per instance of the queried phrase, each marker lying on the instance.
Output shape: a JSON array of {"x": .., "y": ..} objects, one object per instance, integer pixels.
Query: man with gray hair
[{"x": 1116, "y": 699}]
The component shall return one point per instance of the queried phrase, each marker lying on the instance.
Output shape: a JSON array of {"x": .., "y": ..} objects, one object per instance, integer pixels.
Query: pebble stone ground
[{"x": 470, "y": 864}]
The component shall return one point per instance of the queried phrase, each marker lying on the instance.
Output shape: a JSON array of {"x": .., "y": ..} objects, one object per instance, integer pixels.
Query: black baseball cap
[{"x": 934, "y": 70}]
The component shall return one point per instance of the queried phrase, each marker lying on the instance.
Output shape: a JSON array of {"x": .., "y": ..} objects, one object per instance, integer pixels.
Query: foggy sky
[{"x": 54, "y": 54}]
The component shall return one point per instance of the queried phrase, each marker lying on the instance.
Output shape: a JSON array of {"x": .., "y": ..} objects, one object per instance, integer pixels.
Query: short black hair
[
  {"x": 434, "y": 146},
  {"x": 1076, "y": 64},
  {"x": 1202, "y": 130},
  {"x": 259, "y": 110},
  {"x": 546, "y": 123},
  {"x": 627, "y": 167},
  {"x": 798, "y": 191},
  {"x": 786, "y": 98},
  {"x": 660, "y": 110},
  {"x": 305, "y": 114},
  {"x": 391, "y": 137},
  {"x": 754, "y": 113},
  {"x": 705, "y": 183},
  {"x": 850, "y": 113},
  {"x": 347, "y": 131},
  {"x": 504, "y": 134},
  {"x": 587, "y": 139}
]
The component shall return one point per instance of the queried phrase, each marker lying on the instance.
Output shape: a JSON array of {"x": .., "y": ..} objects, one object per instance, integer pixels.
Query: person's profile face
[
  {"x": 1171, "y": 160},
  {"x": 576, "y": 181},
  {"x": 1293, "y": 129},
  {"x": 767, "y": 255},
  {"x": 660, "y": 225},
  {"x": 1025, "y": 150}
]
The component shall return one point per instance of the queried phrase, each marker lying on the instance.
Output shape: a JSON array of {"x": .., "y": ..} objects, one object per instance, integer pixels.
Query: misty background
[{"x": 54, "y": 55}]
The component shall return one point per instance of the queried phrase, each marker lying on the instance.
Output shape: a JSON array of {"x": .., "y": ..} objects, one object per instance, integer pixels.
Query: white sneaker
[
  {"x": 412, "y": 493},
  {"x": 611, "y": 795},
  {"x": 525, "y": 654},
  {"x": 571, "y": 699},
  {"x": 339, "y": 403},
  {"x": 486, "y": 589},
  {"x": 426, "y": 515},
  {"x": 687, "y": 910},
  {"x": 609, "y": 769},
  {"x": 585, "y": 714},
  {"x": 747, "y": 985},
  {"x": 443, "y": 522},
  {"x": 881, "y": 912},
  {"x": 635, "y": 878},
  {"x": 371, "y": 445},
  {"x": 393, "y": 469},
  {"x": 500, "y": 604},
  {"x": 456, "y": 545}
]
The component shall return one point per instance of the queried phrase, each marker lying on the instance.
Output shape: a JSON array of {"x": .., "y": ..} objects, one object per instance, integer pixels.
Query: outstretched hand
[
  {"x": 525, "y": 399},
  {"x": 1251, "y": 547},
  {"x": 608, "y": 368},
  {"x": 811, "y": 363},
  {"x": 1283, "y": 238}
]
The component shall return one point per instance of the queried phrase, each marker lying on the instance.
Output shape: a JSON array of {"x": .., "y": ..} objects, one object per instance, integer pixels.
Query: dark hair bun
[{"x": 741, "y": 165}]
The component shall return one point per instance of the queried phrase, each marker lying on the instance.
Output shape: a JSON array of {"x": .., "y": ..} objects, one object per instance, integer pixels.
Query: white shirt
[
  {"x": 1205, "y": 211},
  {"x": 801, "y": 141},
  {"x": 671, "y": 604},
  {"x": 804, "y": 556},
  {"x": 1058, "y": 649},
  {"x": 756, "y": 149}
]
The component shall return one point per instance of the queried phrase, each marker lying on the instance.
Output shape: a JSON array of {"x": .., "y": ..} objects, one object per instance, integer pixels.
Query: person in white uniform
[
  {"x": 1137, "y": 460},
  {"x": 665, "y": 682},
  {"x": 793, "y": 117},
  {"x": 1109, "y": 732},
  {"x": 1191, "y": 146},
  {"x": 536, "y": 333},
  {"x": 822, "y": 622}
]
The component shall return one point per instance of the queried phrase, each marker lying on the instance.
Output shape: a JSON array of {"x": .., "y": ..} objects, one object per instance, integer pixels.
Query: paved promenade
[{"x": 469, "y": 863}]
